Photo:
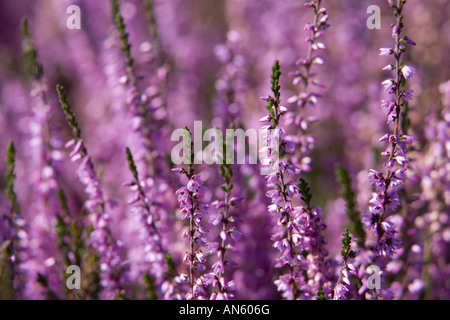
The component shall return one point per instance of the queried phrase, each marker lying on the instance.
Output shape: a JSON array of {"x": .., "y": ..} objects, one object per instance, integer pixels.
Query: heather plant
[
  {"x": 151, "y": 237},
  {"x": 346, "y": 199},
  {"x": 386, "y": 198},
  {"x": 192, "y": 209},
  {"x": 230, "y": 89},
  {"x": 12, "y": 247},
  {"x": 45, "y": 146},
  {"x": 229, "y": 236},
  {"x": 304, "y": 77},
  {"x": 300, "y": 240},
  {"x": 100, "y": 237},
  {"x": 343, "y": 284}
]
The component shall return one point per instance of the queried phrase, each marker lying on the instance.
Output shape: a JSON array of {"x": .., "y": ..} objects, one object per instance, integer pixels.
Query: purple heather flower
[
  {"x": 385, "y": 51},
  {"x": 153, "y": 263},
  {"x": 192, "y": 209},
  {"x": 100, "y": 238},
  {"x": 303, "y": 142},
  {"x": 408, "y": 71},
  {"x": 130, "y": 93},
  {"x": 43, "y": 146},
  {"x": 385, "y": 200},
  {"x": 389, "y": 85},
  {"x": 230, "y": 83},
  {"x": 299, "y": 227},
  {"x": 410, "y": 41}
]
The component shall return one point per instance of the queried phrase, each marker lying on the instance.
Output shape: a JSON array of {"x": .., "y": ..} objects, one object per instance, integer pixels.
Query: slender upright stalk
[
  {"x": 101, "y": 237},
  {"x": 387, "y": 185},
  {"x": 304, "y": 76},
  {"x": 12, "y": 273},
  {"x": 189, "y": 198}
]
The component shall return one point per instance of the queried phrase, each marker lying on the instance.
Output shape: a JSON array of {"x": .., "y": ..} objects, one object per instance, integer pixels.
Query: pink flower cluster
[{"x": 349, "y": 196}]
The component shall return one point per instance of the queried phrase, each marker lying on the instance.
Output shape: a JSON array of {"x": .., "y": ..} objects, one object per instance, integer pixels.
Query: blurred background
[{"x": 195, "y": 36}]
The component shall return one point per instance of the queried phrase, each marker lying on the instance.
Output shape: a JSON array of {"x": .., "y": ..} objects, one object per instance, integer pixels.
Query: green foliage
[
  {"x": 273, "y": 102},
  {"x": 6, "y": 279},
  {"x": 91, "y": 274},
  {"x": 170, "y": 265},
  {"x": 275, "y": 80},
  {"x": 346, "y": 251},
  {"x": 30, "y": 53},
  {"x": 70, "y": 116},
  {"x": 71, "y": 236},
  {"x": 62, "y": 233},
  {"x": 226, "y": 172},
  {"x": 320, "y": 295},
  {"x": 120, "y": 25},
  {"x": 131, "y": 164},
  {"x": 149, "y": 286},
  {"x": 69, "y": 232},
  {"x": 10, "y": 178},
  {"x": 7, "y": 267},
  {"x": 354, "y": 216},
  {"x": 305, "y": 192}
]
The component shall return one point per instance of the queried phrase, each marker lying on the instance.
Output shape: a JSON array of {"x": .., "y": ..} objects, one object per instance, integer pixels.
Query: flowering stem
[
  {"x": 142, "y": 196},
  {"x": 387, "y": 186},
  {"x": 343, "y": 283},
  {"x": 10, "y": 178},
  {"x": 137, "y": 104},
  {"x": 153, "y": 28},
  {"x": 76, "y": 133},
  {"x": 282, "y": 191},
  {"x": 153, "y": 236},
  {"x": 69, "y": 235},
  {"x": 33, "y": 66},
  {"x": 189, "y": 200},
  {"x": 227, "y": 187},
  {"x": 101, "y": 236},
  {"x": 293, "y": 251},
  {"x": 311, "y": 42},
  {"x": 399, "y": 103},
  {"x": 217, "y": 277},
  {"x": 305, "y": 77},
  {"x": 12, "y": 251}
]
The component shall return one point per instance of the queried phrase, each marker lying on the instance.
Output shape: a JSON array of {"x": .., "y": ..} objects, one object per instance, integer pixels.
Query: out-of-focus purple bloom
[
  {"x": 385, "y": 51},
  {"x": 408, "y": 71},
  {"x": 100, "y": 238}
]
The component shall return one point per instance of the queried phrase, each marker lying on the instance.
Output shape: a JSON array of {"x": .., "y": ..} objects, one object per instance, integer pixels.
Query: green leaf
[
  {"x": 170, "y": 264},
  {"x": 304, "y": 192},
  {"x": 32, "y": 65},
  {"x": 131, "y": 164},
  {"x": 70, "y": 116},
  {"x": 149, "y": 286},
  {"x": 10, "y": 178},
  {"x": 354, "y": 216}
]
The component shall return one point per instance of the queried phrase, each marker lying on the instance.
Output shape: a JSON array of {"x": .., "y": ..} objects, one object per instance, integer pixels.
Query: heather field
[{"x": 225, "y": 150}]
